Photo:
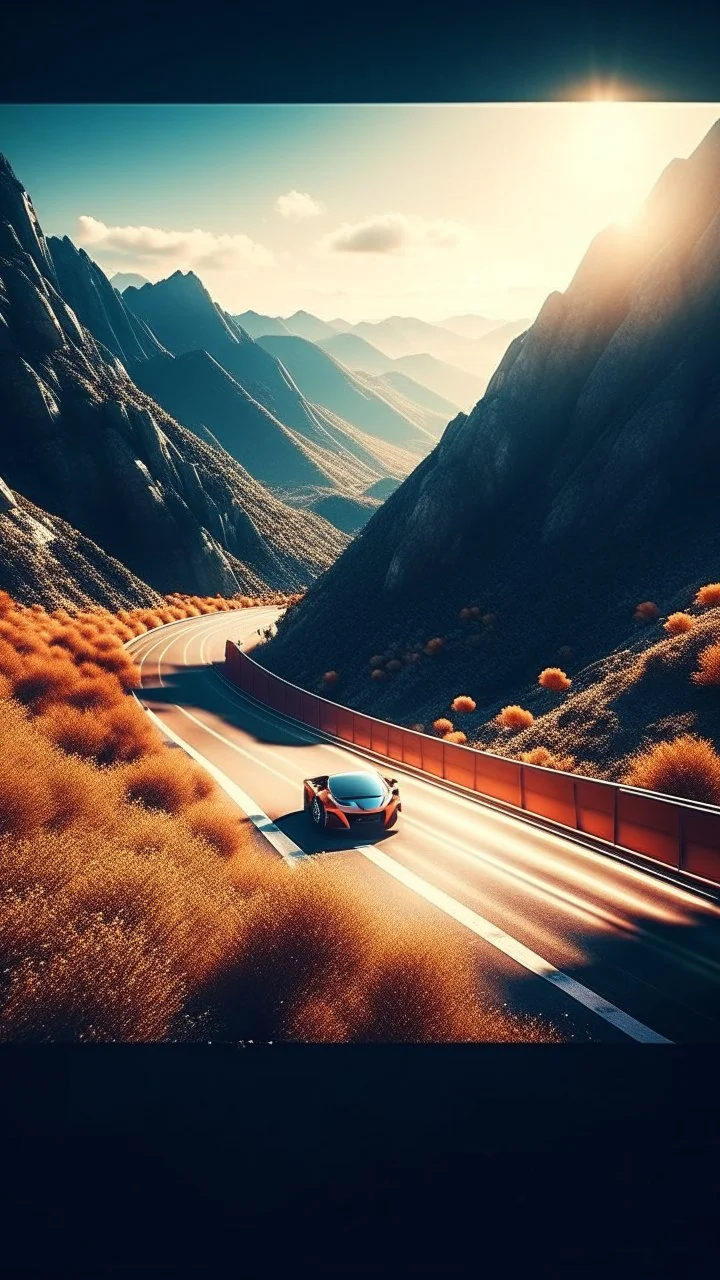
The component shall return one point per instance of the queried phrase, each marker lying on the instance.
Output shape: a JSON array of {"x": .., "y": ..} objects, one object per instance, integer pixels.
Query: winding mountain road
[{"x": 605, "y": 950}]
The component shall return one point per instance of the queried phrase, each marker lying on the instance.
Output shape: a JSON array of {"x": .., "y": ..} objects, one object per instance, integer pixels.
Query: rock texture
[
  {"x": 80, "y": 440},
  {"x": 582, "y": 482}
]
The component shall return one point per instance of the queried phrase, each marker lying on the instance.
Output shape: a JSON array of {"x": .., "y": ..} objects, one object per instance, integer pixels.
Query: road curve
[{"x": 606, "y": 951}]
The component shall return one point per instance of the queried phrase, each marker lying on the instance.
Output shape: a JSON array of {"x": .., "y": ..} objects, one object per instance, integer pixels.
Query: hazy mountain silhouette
[
  {"x": 470, "y": 326},
  {"x": 259, "y": 326},
  {"x": 582, "y": 482},
  {"x": 125, "y": 279},
  {"x": 326, "y": 382}
]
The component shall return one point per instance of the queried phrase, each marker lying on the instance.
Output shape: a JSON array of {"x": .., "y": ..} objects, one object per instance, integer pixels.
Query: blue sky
[{"x": 358, "y": 211}]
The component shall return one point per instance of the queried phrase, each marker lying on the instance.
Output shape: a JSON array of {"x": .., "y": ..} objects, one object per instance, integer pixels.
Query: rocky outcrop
[{"x": 582, "y": 481}]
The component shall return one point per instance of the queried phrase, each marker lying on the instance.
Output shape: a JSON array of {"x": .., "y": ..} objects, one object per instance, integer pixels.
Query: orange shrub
[
  {"x": 646, "y": 611},
  {"x": 555, "y": 679},
  {"x": 411, "y": 656},
  {"x": 331, "y": 677},
  {"x": 687, "y": 766},
  {"x": 394, "y": 665},
  {"x": 463, "y": 703},
  {"x": 709, "y": 595},
  {"x": 464, "y": 614},
  {"x": 434, "y": 645},
  {"x": 541, "y": 756},
  {"x": 417, "y": 727},
  {"x": 709, "y": 666},
  {"x": 677, "y": 623},
  {"x": 489, "y": 618},
  {"x": 443, "y": 726},
  {"x": 377, "y": 660},
  {"x": 460, "y": 738},
  {"x": 377, "y": 674},
  {"x": 514, "y": 717}
]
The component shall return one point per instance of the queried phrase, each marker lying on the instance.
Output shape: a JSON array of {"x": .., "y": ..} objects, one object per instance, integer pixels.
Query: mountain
[
  {"x": 304, "y": 325},
  {"x": 84, "y": 444},
  {"x": 183, "y": 316},
  {"x": 583, "y": 482},
  {"x": 480, "y": 356},
  {"x": 43, "y": 559},
  {"x": 417, "y": 394},
  {"x": 325, "y": 382},
  {"x": 447, "y": 381},
  {"x": 404, "y": 336},
  {"x": 259, "y": 326},
  {"x": 196, "y": 390},
  {"x": 356, "y": 353},
  {"x": 125, "y": 279},
  {"x": 469, "y": 326}
]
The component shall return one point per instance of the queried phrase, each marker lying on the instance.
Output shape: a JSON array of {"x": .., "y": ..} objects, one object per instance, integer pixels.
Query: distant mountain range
[
  {"x": 455, "y": 365},
  {"x": 582, "y": 483}
]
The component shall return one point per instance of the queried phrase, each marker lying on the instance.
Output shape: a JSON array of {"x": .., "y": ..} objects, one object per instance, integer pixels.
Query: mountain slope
[
  {"x": 469, "y": 326},
  {"x": 325, "y": 382},
  {"x": 582, "y": 482},
  {"x": 444, "y": 379},
  {"x": 418, "y": 394},
  {"x": 124, "y": 279},
  {"x": 258, "y": 326},
  {"x": 43, "y": 560},
  {"x": 87, "y": 445},
  {"x": 356, "y": 353}
]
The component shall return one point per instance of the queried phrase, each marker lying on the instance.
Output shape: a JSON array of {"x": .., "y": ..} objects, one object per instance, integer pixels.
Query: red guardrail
[{"x": 672, "y": 832}]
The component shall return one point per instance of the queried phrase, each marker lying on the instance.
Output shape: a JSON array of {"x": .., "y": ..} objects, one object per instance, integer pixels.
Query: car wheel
[{"x": 317, "y": 813}]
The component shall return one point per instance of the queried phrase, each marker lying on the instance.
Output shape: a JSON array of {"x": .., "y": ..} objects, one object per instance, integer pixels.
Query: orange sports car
[{"x": 344, "y": 801}]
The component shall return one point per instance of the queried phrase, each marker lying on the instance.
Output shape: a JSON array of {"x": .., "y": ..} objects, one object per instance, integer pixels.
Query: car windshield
[{"x": 355, "y": 786}]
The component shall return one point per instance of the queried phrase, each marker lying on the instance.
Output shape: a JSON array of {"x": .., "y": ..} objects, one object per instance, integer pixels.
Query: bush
[
  {"x": 455, "y": 736},
  {"x": 377, "y": 674},
  {"x": 514, "y": 717},
  {"x": 411, "y": 656},
  {"x": 678, "y": 623},
  {"x": 709, "y": 595},
  {"x": 709, "y": 666},
  {"x": 394, "y": 665},
  {"x": 331, "y": 677},
  {"x": 377, "y": 660},
  {"x": 434, "y": 646},
  {"x": 417, "y": 727},
  {"x": 646, "y": 611},
  {"x": 463, "y": 703},
  {"x": 548, "y": 759},
  {"x": 688, "y": 766},
  {"x": 489, "y": 618},
  {"x": 555, "y": 679},
  {"x": 169, "y": 781},
  {"x": 443, "y": 726}
]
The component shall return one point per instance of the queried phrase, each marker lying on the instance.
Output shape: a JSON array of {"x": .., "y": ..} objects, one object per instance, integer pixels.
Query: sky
[{"x": 358, "y": 212}]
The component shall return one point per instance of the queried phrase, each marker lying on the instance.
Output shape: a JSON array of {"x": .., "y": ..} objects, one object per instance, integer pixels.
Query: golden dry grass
[
  {"x": 463, "y": 703},
  {"x": 555, "y": 679},
  {"x": 678, "y": 623},
  {"x": 138, "y": 904},
  {"x": 688, "y": 766}
]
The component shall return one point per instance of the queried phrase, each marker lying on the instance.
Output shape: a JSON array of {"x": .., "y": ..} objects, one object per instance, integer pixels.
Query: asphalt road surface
[{"x": 608, "y": 952}]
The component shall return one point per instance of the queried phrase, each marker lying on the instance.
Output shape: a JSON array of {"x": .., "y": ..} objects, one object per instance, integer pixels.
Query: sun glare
[{"x": 609, "y": 160}]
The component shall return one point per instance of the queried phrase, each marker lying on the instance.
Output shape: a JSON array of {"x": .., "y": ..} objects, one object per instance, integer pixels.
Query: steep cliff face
[
  {"x": 582, "y": 482},
  {"x": 83, "y": 442}
]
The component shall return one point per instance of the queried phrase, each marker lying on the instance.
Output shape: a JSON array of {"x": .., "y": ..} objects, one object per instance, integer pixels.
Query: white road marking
[
  {"x": 288, "y": 850},
  {"x": 476, "y": 923},
  {"x": 515, "y": 950}
]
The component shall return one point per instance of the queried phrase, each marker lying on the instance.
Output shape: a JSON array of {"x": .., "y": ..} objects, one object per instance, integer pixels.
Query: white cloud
[
  {"x": 298, "y": 204},
  {"x": 183, "y": 248},
  {"x": 394, "y": 232}
]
